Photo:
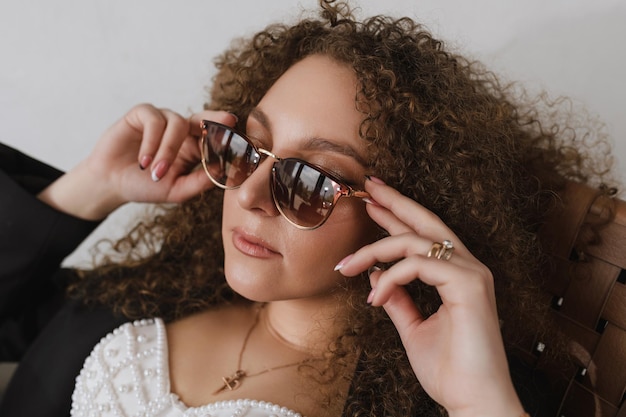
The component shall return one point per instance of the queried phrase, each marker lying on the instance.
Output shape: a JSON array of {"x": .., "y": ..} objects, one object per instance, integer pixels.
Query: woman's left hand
[{"x": 457, "y": 353}]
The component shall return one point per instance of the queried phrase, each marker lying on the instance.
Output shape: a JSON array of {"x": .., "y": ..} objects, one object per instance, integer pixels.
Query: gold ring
[
  {"x": 435, "y": 250},
  {"x": 442, "y": 250}
]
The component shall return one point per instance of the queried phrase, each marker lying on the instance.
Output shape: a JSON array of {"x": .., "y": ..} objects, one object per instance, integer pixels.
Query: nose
[{"x": 255, "y": 194}]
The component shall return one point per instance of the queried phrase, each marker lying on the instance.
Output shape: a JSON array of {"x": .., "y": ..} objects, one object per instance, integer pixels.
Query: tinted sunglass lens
[
  {"x": 304, "y": 195},
  {"x": 230, "y": 158}
]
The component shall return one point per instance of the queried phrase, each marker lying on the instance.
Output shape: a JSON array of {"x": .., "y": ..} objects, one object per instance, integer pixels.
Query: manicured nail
[
  {"x": 145, "y": 162},
  {"x": 370, "y": 297},
  {"x": 159, "y": 170},
  {"x": 343, "y": 262},
  {"x": 235, "y": 116},
  {"x": 371, "y": 201},
  {"x": 375, "y": 179}
]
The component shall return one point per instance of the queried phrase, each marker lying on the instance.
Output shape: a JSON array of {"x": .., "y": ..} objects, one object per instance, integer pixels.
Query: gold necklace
[{"x": 231, "y": 383}]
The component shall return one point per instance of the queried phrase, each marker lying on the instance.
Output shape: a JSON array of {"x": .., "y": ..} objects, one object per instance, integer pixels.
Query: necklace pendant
[{"x": 232, "y": 382}]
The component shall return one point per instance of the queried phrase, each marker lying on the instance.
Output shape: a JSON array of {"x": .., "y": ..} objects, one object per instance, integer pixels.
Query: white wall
[{"x": 69, "y": 68}]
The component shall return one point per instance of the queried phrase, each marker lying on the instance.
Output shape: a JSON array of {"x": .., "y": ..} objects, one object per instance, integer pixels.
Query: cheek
[
  {"x": 354, "y": 224},
  {"x": 345, "y": 232},
  {"x": 227, "y": 201},
  {"x": 228, "y": 208}
]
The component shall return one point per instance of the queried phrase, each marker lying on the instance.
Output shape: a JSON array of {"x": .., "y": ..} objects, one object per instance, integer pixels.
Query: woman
[{"x": 273, "y": 291}]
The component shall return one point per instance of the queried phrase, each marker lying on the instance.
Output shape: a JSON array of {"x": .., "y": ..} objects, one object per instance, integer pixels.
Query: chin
[{"x": 249, "y": 286}]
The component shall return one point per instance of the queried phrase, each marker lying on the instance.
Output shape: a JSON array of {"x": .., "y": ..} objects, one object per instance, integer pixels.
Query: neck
[{"x": 303, "y": 325}]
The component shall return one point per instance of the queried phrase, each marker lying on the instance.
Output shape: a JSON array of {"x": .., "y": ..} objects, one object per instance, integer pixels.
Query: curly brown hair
[{"x": 441, "y": 129}]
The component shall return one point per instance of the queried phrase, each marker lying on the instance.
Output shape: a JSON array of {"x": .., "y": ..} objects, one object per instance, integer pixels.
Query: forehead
[{"x": 316, "y": 97}]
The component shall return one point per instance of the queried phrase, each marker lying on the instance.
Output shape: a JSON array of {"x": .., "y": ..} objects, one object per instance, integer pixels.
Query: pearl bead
[{"x": 127, "y": 375}]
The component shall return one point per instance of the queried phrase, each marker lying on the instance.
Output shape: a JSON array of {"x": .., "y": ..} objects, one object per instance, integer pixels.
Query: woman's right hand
[{"x": 149, "y": 155}]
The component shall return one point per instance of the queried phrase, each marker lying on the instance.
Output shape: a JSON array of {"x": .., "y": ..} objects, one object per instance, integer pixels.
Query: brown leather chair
[{"x": 586, "y": 240}]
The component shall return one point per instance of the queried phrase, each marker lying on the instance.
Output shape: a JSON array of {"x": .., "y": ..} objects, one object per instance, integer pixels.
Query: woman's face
[{"x": 309, "y": 113}]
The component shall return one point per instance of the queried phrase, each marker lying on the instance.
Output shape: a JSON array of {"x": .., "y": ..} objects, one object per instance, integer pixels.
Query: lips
[{"x": 252, "y": 245}]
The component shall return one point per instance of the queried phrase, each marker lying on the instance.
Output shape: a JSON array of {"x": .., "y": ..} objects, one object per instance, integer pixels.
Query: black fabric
[
  {"x": 34, "y": 238},
  {"x": 49, "y": 337},
  {"x": 44, "y": 380}
]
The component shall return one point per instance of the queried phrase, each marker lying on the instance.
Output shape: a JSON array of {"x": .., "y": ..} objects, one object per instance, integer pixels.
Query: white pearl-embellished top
[{"x": 127, "y": 375}]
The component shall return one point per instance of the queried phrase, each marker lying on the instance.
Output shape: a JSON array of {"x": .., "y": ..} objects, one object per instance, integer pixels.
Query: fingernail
[
  {"x": 371, "y": 295},
  {"x": 145, "y": 162},
  {"x": 343, "y": 262},
  {"x": 235, "y": 116},
  {"x": 371, "y": 201},
  {"x": 375, "y": 179},
  {"x": 159, "y": 170}
]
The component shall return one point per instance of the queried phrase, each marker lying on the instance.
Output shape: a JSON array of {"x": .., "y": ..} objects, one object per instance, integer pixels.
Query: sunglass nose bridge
[{"x": 266, "y": 153}]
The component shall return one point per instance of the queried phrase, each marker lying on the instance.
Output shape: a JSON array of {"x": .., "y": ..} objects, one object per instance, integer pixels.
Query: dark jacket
[{"x": 48, "y": 335}]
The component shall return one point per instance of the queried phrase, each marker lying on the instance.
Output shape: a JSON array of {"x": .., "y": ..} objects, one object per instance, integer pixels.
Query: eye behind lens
[
  {"x": 303, "y": 194},
  {"x": 231, "y": 157}
]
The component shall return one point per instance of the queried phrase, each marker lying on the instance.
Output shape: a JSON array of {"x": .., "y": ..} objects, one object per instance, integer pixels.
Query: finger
[
  {"x": 392, "y": 249},
  {"x": 399, "y": 306},
  {"x": 387, "y": 220},
  {"x": 149, "y": 123},
  {"x": 455, "y": 284},
  {"x": 385, "y": 250},
  {"x": 414, "y": 215},
  {"x": 189, "y": 186},
  {"x": 174, "y": 135},
  {"x": 402, "y": 311}
]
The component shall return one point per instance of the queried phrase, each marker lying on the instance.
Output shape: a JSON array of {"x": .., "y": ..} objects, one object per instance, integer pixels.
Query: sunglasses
[{"x": 303, "y": 193}]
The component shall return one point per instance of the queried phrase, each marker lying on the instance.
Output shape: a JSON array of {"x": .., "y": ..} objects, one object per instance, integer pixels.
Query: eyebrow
[{"x": 314, "y": 143}]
